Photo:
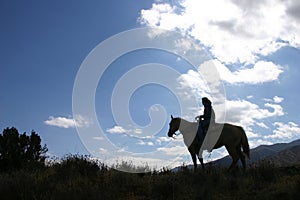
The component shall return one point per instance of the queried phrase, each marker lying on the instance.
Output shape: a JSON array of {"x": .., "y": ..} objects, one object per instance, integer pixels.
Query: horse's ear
[{"x": 172, "y": 117}]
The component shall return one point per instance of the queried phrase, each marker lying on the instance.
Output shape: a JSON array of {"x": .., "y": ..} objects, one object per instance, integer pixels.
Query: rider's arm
[{"x": 199, "y": 117}]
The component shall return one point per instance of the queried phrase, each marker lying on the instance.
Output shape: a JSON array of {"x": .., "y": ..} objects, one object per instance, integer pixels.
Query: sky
[{"x": 56, "y": 77}]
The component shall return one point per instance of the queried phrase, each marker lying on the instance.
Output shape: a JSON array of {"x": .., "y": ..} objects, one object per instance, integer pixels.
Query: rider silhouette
[{"x": 205, "y": 119}]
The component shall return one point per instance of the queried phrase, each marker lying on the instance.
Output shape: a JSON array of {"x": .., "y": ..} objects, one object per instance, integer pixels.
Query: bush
[
  {"x": 21, "y": 151},
  {"x": 80, "y": 177}
]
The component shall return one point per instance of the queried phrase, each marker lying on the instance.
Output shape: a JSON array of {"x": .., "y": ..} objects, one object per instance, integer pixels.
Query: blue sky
[
  {"x": 254, "y": 46},
  {"x": 42, "y": 47}
]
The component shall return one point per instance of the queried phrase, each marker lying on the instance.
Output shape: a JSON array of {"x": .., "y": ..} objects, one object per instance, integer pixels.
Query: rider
[{"x": 205, "y": 119}]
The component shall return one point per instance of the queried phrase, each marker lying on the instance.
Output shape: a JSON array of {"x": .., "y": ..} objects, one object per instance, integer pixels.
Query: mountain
[
  {"x": 281, "y": 154},
  {"x": 286, "y": 157}
]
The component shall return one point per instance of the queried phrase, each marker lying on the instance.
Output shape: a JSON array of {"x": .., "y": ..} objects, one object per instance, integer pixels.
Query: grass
[{"x": 78, "y": 177}]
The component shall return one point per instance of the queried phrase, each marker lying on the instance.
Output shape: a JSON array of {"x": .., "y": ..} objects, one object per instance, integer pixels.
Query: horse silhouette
[{"x": 232, "y": 137}]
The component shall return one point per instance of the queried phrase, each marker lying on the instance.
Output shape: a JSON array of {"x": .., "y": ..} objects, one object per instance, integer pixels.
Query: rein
[{"x": 176, "y": 134}]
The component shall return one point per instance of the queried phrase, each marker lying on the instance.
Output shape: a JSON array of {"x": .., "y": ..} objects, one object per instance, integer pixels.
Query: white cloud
[
  {"x": 245, "y": 113},
  {"x": 241, "y": 112},
  {"x": 151, "y": 141},
  {"x": 160, "y": 140},
  {"x": 103, "y": 151},
  {"x": 277, "y": 110},
  {"x": 284, "y": 131},
  {"x": 81, "y": 121},
  {"x": 263, "y": 125},
  {"x": 251, "y": 134},
  {"x": 173, "y": 151},
  {"x": 234, "y": 31},
  {"x": 143, "y": 143},
  {"x": 130, "y": 131},
  {"x": 116, "y": 129},
  {"x": 137, "y": 131},
  {"x": 98, "y": 138},
  {"x": 68, "y": 122},
  {"x": 278, "y": 99},
  {"x": 254, "y": 142},
  {"x": 261, "y": 72},
  {"x": 62, "y": 122},
  {"x": 192, "y": 80},
  {"x": 196, "y": 85},
  {"x": 161, "y": 15},
  {"x": 236, "y": 109}
]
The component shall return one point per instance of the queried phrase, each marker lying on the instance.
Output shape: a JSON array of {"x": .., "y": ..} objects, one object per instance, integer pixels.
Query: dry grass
[{"x": 78, "y": 177}]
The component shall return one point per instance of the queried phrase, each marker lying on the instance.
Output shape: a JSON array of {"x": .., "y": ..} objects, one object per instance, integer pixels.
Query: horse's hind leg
[
  {"x": 201, "y": 161},
  {"x": 234, "y": 155},
  {"x": 242, "y": 158}
]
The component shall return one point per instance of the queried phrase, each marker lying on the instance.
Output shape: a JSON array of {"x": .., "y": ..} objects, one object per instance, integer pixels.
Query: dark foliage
[
  {"x": 24, "y": 175},
  {"x": 20, "y": 150},
  {"x": 80, "y": 177}
]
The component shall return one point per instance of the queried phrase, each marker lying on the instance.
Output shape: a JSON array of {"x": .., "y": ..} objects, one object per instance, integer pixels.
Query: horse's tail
[{"x": 245, "y": 144}]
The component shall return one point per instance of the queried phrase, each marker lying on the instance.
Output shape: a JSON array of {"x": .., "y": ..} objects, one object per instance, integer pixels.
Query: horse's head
[{"x": 174, "y": 126}]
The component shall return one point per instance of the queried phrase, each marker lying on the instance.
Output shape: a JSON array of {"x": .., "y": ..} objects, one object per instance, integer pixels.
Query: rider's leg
[
  {"x": 205, "y": 123},
  {"x": 200, "y": 132}
]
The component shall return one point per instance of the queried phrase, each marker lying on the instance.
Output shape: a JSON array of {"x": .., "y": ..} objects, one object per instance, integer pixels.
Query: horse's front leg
[
  {"x": 201, "y": 159},
  {"x": 193, "y": 155}
]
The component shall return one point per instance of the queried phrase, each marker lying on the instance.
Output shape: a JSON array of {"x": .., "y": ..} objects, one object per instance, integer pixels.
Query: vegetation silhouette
[
  {"x": 83, "y": 177},
  {"x": 20, "y": 150},
  {"x": 232, "y": 137}
]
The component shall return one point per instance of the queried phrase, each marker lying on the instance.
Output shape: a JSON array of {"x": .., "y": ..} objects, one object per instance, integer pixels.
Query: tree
[{"x": 20, "y": 150}]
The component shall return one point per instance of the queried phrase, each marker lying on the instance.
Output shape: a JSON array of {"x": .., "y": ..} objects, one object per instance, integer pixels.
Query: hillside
[
  {"x": 287, "y": 157},
  {"x": 280, "y": 154},
  {"x": 78, "y": 177}
]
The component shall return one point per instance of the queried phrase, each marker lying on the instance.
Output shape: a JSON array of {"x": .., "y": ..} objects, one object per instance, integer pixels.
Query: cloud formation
[
  {"x": 284, "y": 131},
  {"x": 67, "y": 122},
  {"x": 116, "y": 129},
  {"x": 247, "y": 114},
  {"x": 261, "y": 72},
  {"x": 278, "y": 99},
  {"x": 234, "y": 31},
  {"x": 239, "y": 35},
  {"x": 236, "y": 110},
  {"x": 62, "y": 122}
]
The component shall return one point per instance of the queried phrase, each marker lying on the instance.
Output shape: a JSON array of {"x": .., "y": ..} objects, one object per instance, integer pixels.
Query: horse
[{"x": 231, "y": 136}]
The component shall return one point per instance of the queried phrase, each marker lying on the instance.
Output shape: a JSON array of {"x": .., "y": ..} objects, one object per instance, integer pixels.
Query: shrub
[{"x": 80, "y": 177}]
